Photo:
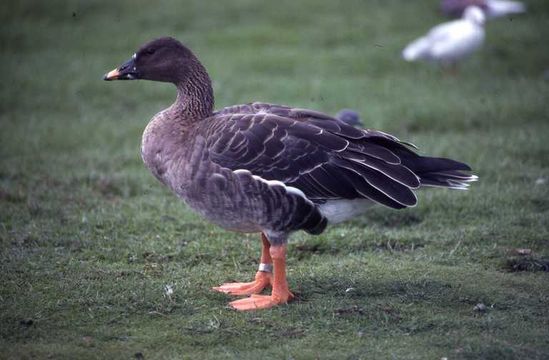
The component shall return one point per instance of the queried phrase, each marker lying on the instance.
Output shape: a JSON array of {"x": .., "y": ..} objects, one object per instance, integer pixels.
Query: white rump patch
[{"x": 337, "y": 211}]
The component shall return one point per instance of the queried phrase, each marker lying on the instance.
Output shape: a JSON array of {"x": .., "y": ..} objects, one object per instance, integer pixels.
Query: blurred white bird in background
[
  {"x": 449, "y": 42},
  {"x": 492, "y": 8}
]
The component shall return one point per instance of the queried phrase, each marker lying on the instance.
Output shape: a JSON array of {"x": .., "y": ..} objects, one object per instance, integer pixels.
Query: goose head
[
  {"x": 164, "y": 59},
  {"x": 475, "y": 15}
]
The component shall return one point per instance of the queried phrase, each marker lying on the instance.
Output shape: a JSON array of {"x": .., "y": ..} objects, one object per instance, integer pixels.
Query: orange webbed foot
[
  {"x": 257, "y": 302},
  {"x": 262, "y": 280}
]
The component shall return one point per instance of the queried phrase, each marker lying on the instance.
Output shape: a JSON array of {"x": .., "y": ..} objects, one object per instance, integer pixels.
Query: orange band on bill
[{"x": 112, "y": 75}]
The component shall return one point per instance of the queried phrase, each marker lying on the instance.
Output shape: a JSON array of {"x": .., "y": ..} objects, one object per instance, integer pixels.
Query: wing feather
[
  {"x": 321, "y": 156},
  {"x": 381, "y": 182}
]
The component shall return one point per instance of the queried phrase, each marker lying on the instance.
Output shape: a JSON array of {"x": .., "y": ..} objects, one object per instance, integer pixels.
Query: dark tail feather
[
  {"x": 439, "y": 172},
  {"x": 431, "y": 171}
]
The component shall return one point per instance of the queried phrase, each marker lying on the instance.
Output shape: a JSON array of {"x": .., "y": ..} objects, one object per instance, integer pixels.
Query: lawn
[{"x": 89, "y": 240}]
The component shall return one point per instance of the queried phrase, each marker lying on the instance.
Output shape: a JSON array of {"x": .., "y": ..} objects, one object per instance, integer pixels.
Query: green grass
[{"x": 89, "y": 239}]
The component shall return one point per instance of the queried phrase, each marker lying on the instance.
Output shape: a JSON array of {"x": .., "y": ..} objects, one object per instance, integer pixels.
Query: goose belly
[
  {"x": 229, "y": 211},
  {"x": 233, "y": 199}
]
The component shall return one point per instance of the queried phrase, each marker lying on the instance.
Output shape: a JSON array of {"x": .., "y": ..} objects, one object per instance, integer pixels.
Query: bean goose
[{"x": 270, "y": 169}]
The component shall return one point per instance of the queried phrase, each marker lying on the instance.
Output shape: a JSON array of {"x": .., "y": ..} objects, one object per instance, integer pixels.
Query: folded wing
[{"x": 321, "y": 156}]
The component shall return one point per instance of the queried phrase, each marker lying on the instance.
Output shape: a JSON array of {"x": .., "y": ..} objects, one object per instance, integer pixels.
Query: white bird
[
  {"x": 499, "y": 8},
  {"x": 492, "y": 8},
  {"x": 450, "y": 42}
]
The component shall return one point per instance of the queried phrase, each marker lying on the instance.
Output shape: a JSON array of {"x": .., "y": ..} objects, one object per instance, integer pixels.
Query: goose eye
[{"x": 149, "y": 51}]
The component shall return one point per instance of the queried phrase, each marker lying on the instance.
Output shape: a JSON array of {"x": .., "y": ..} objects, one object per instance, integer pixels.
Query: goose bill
[{"x": 126, "y": 71}]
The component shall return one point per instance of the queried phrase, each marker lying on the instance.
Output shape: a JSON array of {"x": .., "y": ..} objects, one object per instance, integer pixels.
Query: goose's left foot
[
  {"x": 263, "y": 277},
  {"x": 280, "y": 295},
  {"x": 262, "y": 280},
  {"x": 256, "y": 302}
]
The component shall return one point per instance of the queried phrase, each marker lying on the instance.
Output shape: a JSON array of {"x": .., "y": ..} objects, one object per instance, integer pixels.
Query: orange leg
[
  {"x": 263, "y": 277},
  {"x": 280, "y": 294}
]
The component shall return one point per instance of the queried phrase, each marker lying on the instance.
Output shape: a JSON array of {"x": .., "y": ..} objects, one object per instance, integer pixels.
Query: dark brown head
[{"x": 164, "y": 59}]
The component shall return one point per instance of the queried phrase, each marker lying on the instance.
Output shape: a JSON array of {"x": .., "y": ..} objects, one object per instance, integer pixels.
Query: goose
[
  {"x": 450, "y": 42},
  {"x": 270, "y": 169},
  {"x": 492, "y": 8}
]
